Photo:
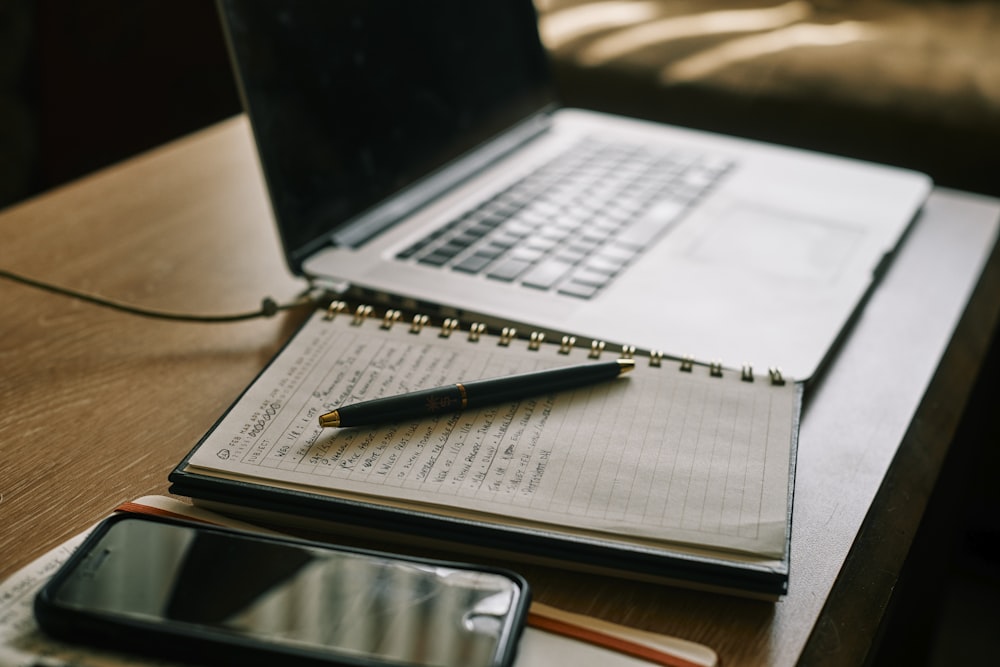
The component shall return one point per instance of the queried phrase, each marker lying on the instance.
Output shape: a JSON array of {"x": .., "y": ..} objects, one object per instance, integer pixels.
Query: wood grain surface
[{"x": 98, "y": 406}]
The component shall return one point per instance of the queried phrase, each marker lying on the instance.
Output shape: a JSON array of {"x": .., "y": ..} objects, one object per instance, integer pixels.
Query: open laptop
[{"x": 414, "y": 155}]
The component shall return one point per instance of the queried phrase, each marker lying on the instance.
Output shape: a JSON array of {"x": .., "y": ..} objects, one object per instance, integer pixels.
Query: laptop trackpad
[{"x": 779, "y": 243}]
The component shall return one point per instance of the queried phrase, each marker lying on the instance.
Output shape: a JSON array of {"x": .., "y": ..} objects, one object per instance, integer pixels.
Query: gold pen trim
[
  {"x": 465, "y": 397},
  {"x": 330, "y": 420},
  {"x": 625, "y": 365}
]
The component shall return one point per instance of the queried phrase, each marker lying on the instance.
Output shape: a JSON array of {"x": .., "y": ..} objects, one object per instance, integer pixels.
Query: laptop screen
[{"x": 355, "y": 100}]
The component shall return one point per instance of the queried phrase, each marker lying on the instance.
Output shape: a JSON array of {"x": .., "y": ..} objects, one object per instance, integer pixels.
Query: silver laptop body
[{"x": 389, "y": 131}]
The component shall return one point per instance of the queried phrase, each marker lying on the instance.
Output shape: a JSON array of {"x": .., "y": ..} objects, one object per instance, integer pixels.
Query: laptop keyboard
[{"x": 575, "y": 223}]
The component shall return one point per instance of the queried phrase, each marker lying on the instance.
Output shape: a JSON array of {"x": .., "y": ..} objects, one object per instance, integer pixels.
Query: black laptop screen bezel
[{"x": 354, "y": 102}]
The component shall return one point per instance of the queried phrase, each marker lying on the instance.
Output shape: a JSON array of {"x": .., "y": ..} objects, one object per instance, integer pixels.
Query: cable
[{"x": 268, "y": 307}]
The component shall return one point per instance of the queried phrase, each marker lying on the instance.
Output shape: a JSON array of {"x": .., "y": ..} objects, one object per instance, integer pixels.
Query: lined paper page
[{"x": 658, "y": 455}]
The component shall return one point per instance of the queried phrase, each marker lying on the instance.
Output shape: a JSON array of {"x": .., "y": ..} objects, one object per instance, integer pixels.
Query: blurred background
[
  {"x": 85, "y": 84},
  {"x": 916, "y": 83}
]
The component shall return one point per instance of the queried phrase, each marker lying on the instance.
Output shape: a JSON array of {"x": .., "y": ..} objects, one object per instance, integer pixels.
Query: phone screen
[{"x": 294, "y": 594}]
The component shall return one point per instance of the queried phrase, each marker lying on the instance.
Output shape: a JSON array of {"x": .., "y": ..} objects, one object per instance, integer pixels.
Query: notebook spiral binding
[{"x": 450, "y": 325}]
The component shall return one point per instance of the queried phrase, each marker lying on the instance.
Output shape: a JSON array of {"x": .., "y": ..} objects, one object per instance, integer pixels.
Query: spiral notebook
[{"x": 677, "y": 472}]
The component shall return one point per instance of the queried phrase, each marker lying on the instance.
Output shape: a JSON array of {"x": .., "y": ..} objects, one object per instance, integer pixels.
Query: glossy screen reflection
[
  {"x": 301, "y": 595},
  {"x": 355, "y": 101}
]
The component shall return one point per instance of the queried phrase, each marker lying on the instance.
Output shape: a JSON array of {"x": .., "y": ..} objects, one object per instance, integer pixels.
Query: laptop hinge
[{"x": 405, "y": 203}]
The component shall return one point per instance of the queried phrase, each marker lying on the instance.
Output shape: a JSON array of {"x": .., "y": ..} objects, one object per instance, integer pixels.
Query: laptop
[{"x": 415, "y": 156}]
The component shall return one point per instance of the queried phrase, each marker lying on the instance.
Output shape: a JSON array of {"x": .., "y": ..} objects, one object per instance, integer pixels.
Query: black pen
[{"x": 475, "y": 394}]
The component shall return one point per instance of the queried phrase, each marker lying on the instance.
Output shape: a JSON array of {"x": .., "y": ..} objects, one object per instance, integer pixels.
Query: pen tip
[
  {"x": 625, "y": 365},
  {"x": 330, "y": 420}
]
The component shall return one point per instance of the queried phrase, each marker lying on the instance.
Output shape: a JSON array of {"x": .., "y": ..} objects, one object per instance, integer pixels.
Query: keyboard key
[
  {"x": 583, "y": 245},
  {"x": 578, "y": 290},
  {"x": 602, "y": 264},
  {"x": 505, "y": 241},
  {"x": 526, "y": 253},
  {"x": 700, "y": 176},
  {"x": 508, "y": 269},
  {"x": 518, "y": 228},
  {"x": 540, "y": 243},
  {"x": 473, "y": 263},
  {"x": 585, "y": 276},
  {"x": 597, "y": 234},
  {"x": 475, "y": 232},
  {"x": 463, "y": 240},
  {"x": 491, "y": 221},
  {"x": 451, "y": 248},
  {"x": 555, "y": 233},
  {"x": 660, "y": 216},
  {"x": 683, "y": 193},
  {"x": 547, "y": 273},
  {"x": 435, "y": 259},
  {"x": 615, "y": 255},
  {"x": 569, "y": 255},
  {"x": 491, "y": 251},
  {"x": 412, "y": 250},
  {"x": 534, "y": 216}
]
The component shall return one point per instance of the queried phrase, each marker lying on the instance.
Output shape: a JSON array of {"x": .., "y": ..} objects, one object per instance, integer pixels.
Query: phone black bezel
[{"x": 189, "y": 643}]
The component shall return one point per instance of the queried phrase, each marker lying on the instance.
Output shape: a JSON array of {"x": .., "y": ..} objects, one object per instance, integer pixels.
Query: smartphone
[{"x": 214, "y": 595}]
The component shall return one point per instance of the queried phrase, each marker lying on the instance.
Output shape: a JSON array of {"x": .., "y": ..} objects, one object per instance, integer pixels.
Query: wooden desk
[{"x": 98, "y": 406}]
